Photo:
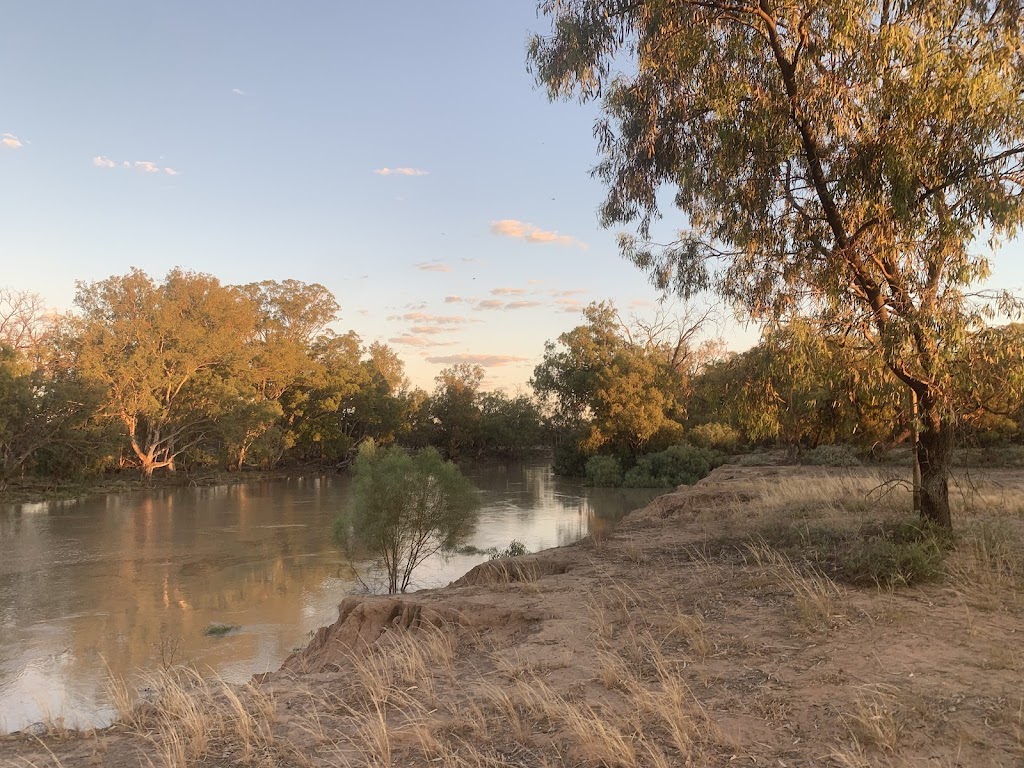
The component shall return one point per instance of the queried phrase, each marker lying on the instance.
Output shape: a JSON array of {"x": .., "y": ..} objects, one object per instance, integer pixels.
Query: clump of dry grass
[
  {"x": 875, "y": 720},
  {"x": 818, "y": 599},
  {"x": 989, "y": 563}
]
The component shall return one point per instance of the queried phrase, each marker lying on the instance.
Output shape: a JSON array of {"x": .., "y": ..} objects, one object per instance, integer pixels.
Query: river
[{"x": 119, "y": 584}]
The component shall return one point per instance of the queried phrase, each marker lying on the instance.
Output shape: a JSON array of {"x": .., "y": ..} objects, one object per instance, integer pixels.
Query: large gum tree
[{"x": 845, "y": 159}]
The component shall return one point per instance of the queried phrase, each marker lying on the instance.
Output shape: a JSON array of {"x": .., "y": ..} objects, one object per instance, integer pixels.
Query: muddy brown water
[{"x": 120, "y": 584}]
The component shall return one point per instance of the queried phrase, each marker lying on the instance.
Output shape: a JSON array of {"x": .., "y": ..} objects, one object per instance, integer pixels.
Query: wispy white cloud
[
  {"x": 642, "y": 304},
  {"x": 11, "y": 141},
  {"x": 143, "y": 166},
  {"x": 238, "y": 92},
  {"x": 433, "y": 266},
  {"x": 532, "y": 234},
  {"x": 484, "y": 361},
  {"x": 508, "y": 292},
  {"x": 400, "y": 172},
  {"x": 523, "y": 304},
  {"x": 455, "y": 300},
  {"x": 573, "y": 292},
  {"x": 491, "y": 304}
]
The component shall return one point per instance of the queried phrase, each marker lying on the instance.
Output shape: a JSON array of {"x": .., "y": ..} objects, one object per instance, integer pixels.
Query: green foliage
[
  {"x": 570, "y": 460},
  {"x": 217, "y": 629},
  {"x": 405, "y": 508},
  {"x": 900, "y": 553},
  {"x": 621, "y": 387},
  {"x": 515, "y": 548},
  {"x": 894, "y": 553},
  {"x": 682, "y": 464},
  {"x": 831, "y": 456},
  {"x": 715, "y": 436},
  {"x": 835, "y": 159},
  {"x": 604, "y": 472}
]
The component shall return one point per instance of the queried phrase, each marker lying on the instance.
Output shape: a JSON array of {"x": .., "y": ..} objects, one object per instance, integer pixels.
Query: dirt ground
[{"x": 724, "y": 624}]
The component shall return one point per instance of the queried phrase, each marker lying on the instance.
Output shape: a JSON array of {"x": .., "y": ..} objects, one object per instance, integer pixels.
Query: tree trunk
[
  {"x": 936, "y": 458},
  {"x": 915, "y": 442}
]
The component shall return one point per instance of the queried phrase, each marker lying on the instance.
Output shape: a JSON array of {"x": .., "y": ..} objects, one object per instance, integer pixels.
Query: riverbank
[
  {"x": 734, "y": 622},
  {"x": 35, "y": 491}
]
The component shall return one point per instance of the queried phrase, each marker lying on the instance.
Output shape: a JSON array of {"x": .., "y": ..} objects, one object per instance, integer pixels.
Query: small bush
[
  {"x": 682, "y": 464},
  {"x": 898, "y": 553},
  {"x": 569, "y": 460},
  {"x": 719, "y": 437},
  {"x": 895, "y": 553},
  {"x": 515, "y": 548},
  {"x": 604, "y": 472},
  {"x": 216, "y": 629},
  {"x": 831, "y": 456}
]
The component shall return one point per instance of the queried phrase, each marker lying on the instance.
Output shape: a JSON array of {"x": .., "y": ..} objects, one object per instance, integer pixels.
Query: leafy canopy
[{"x": 406, "y": 508}]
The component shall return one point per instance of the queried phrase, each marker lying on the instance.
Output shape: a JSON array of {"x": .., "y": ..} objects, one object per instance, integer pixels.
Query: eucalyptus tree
[
  {"x": 836, "y": 157},
  {"x": 161, "y": 351},
  {"x": 619, "y": 385}
]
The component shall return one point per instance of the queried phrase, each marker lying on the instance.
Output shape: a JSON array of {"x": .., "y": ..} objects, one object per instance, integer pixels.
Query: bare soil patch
[{"x": 723, "y": 624}]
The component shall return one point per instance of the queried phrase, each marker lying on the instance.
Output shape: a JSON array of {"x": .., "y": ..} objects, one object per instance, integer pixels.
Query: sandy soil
[{"x": 679, "y": 638}]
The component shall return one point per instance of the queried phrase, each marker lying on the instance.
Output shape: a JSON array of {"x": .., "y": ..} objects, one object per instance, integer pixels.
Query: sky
[{"x": 398, "y": 153}]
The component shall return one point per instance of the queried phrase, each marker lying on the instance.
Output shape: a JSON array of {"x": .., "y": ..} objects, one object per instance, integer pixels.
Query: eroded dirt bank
[{"x": 724, "y": 624}]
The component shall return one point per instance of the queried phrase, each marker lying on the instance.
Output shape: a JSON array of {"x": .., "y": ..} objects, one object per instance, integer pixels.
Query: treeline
[
  {"x": 630, "y": 397},
  {"x": 187, "y": 373}
]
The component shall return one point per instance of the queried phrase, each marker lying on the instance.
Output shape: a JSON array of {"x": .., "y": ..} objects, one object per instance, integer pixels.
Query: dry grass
[
  {"x": 818, "y": 599},
  {"x": 875, "y": 720}
]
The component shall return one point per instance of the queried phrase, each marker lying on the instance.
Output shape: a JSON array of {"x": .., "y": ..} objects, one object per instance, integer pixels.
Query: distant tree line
[
  {"x": 187, "y": 373},
  {"x": 625, "y": 392}
]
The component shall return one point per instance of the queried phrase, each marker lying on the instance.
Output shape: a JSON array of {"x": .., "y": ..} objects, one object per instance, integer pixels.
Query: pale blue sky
[{"x": 251, "y": 133}]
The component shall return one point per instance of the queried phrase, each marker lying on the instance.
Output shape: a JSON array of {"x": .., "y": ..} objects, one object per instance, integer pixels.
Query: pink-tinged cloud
[
  {"x": 10, "y": 141},
  {"x": 484, "y": 361},
  {"x": 454, "y": 300},
  {"x": 401, "y": 172},
  {"x": 423, "y": 317},
  {"x": 170, "y": 172},
  {"x": 508, "y": 292},
  {"x": 433, "y": 266},
  {"x": 573, "y": 292},
  {"x": 642, "y": 304},
  {"x": 491, "y": 304},
  {"x": 408, "y": 340},
  {"x": 568, "y": 302},
  {"x": 103, "y": 162},
  {"x": 147, "y": 167},
  {"x": 430, "y": 329},
  {"x": 524, "y": 231},
  {"x": 523, "y": 304}
]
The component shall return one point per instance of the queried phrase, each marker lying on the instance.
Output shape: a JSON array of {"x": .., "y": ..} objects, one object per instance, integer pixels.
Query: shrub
[
  {"x": 405, "y": 509},
  {"x": 569, "y": 459},
  {"x": 515, "y": 548},
  {"x": 720, "y": 437},
  {"x": 831, "y": 456},
  {"x": 681, "y": 464},
  {"x": 604, "y": 472}
]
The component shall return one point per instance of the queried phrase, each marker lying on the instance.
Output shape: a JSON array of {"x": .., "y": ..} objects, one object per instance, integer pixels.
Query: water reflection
[{"x": 122, "y": 582}]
